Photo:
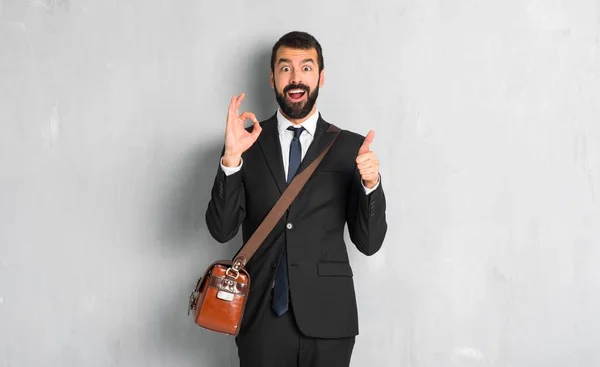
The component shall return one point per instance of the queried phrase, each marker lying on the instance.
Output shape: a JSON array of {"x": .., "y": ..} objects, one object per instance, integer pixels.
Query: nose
[{"x": 295, "y": 77}]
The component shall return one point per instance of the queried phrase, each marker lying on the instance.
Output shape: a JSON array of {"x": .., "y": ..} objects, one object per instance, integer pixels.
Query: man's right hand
[{"x": 237, "y": 139}]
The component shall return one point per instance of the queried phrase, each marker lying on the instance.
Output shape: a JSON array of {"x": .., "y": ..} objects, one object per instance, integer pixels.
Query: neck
[{"x": 299, "y": 121}]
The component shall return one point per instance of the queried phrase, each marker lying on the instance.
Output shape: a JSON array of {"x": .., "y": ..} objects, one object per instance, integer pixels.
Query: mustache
[{"x": 296, "y": 86}]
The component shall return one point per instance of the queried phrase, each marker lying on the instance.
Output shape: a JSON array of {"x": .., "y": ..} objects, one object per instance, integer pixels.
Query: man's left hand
[{"x": 367, "y": 162}]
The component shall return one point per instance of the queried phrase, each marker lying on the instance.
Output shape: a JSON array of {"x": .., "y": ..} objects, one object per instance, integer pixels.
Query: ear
[
  {"x": 272, "y": 79},
  {"x": 322, "y": 78}
]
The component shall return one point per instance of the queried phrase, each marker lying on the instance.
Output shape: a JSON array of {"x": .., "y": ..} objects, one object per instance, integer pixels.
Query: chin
[{"x": 297, "y": 105}]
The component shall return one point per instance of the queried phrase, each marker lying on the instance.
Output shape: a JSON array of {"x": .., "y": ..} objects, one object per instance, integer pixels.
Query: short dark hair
[{"x": 298, "y": 40}]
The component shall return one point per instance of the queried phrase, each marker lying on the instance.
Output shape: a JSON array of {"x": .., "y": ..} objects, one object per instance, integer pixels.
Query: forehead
[{"x": 296, "y": 54}]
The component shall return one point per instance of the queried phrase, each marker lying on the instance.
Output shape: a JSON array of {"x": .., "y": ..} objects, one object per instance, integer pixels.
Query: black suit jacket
[{"x": 320, "y": 275}]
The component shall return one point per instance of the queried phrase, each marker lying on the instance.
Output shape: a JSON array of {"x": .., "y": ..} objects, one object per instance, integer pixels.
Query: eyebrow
[{"x": 305, "y": 61}]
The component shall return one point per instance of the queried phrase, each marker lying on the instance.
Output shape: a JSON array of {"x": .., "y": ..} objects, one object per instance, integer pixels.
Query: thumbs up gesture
[{"x": 367, "y": 162}]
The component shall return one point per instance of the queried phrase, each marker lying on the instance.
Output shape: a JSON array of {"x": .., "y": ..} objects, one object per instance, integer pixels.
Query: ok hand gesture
[{"x": 237, "y": 139}]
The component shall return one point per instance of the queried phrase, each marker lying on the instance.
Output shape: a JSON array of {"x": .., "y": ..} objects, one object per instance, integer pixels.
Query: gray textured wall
[{"x": 486, "y": 116}]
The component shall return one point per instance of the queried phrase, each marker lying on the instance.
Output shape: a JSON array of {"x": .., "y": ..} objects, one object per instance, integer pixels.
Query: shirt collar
[{"x": 310, "y": 124}]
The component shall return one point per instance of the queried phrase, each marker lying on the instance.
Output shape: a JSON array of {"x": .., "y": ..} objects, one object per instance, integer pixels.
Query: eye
[
  {"x": 307, "y": 68},
  {"x": 285, "y": 68}
]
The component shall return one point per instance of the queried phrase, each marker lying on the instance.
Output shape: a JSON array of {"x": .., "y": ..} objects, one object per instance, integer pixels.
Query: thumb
[{"x": 367, "y": 143}]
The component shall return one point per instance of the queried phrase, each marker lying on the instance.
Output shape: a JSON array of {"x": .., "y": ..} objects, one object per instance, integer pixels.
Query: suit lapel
[
  {"x": 320, "y": 141},
  {"x": 271, "y": 148}
]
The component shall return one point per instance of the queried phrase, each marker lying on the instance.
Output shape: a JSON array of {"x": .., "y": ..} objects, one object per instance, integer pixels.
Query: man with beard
[{"x": 301, "y": 309}]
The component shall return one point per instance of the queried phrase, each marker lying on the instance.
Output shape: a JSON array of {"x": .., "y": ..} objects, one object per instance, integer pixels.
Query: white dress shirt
[{"x": 285, "y": 138}]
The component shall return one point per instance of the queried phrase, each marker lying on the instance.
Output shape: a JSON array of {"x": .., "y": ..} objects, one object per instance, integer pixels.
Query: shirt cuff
[
  {"x": 231, "y": 170},
  {"x": 367, "y": 190}
]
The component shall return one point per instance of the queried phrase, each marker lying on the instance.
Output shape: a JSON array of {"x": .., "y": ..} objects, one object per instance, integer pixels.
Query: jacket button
[
  {"x": 289, "y": 226},
  {"x": 274, "y": 264}
]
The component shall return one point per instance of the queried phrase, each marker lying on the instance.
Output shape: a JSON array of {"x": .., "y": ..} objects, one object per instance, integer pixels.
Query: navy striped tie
[{"x": 280, "y": 293}]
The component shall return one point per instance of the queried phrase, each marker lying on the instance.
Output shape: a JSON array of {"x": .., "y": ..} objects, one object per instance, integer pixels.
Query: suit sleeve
[
  {"x": 227, "y": 206},
  {"x": 365, "y": 215}
]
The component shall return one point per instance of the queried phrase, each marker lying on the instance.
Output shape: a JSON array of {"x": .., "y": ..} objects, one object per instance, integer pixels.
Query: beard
[{"x": 297, "y": 110}]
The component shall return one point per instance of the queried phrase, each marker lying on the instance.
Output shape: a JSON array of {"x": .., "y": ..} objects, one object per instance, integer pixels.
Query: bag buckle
[
  {"x": 238, "y": 263},
  {"x": 237, "y": 273},
  {"x": 227, "y": 288},
  {"x": 194, "y": 297}
]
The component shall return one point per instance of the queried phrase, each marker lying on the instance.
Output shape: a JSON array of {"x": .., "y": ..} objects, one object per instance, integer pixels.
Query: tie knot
[{"x": 297, "y": 130}]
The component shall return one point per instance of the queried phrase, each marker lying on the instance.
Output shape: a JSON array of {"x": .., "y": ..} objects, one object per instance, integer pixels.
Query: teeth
[{"x": 296, "y": 91}]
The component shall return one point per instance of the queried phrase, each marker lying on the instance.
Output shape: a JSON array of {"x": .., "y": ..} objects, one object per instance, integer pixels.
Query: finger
[
  {"x": 369, "y": 168},
  {"x": 365, "y": 157},
  {"x": 248, "y": 115},
  {"x": 256, "y": 130},
  {"x": 369, "y": 174},
  {"x": 369, "y": 171},
  {"x": 368, "y": 164},
  {"x": 238, "y": 102},
  {"x": 232, "y": 104},
  {"x": 241, "y": 98},
  {"x": 369, "y": 177},
  {"x": 367, "y": 142}
]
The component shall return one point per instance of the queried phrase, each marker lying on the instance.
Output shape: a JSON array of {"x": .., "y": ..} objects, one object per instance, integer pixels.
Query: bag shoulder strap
[{"x": 280, "y": 207}]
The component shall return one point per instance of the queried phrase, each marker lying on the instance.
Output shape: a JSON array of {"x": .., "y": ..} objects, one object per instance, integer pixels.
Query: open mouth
[{"x": 296, "y": 95}]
